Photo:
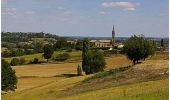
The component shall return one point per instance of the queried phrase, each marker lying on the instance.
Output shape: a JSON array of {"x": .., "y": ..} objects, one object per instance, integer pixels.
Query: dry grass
[
  {"x": 117, "y": 61},
  {"x": 32, "y": 82},
  {"x": 46, "y": 70},
  {"x": 120, "y": 87}
]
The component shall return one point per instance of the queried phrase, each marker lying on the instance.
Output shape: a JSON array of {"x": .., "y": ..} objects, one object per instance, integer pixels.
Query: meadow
[{"x": 147, "y": 80}]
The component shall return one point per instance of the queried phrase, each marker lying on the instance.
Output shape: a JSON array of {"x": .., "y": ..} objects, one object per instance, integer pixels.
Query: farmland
[{"x": 58, "y": 81}]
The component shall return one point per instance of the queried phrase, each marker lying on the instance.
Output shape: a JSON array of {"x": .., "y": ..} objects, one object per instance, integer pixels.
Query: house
[
  {"x": 106, "y": 43},
  {"x": 102, "y": 43}
]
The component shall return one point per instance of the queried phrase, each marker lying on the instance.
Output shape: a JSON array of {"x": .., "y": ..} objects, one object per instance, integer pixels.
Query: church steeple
[{"x": 113, "y": 37}]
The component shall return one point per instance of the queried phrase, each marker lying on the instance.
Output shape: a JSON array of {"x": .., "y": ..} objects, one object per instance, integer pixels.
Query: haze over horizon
[{"x": 87, "y": 18}]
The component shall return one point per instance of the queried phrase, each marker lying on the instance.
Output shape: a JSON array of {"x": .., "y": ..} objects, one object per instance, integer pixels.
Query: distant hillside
[{"x": 24, "y": 36}]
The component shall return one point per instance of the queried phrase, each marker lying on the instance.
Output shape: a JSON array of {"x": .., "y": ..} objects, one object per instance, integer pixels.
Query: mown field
[{"x": 145, "y": 81}]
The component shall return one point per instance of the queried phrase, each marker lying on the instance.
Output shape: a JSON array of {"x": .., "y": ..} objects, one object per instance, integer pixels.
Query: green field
[
  {"x": 40, "y": 55},
  {"x": 145, "y": 81}
]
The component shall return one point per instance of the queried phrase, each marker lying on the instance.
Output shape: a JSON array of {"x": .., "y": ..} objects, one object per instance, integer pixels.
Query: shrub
[
  {"x": 114, "y": 51},
  {"x": 98, "y": 48},
  {"x": 15, "y": 61},
  {"x": 22, "y": 61},
  {"x": 62, "y": 57},
  {"x": 79, "y": 70},
  {"x": 35, "y": 61},
  {"x": 48, "y": 51},
  {"x": 69, "y": 50},
  {"x": 8, "y": 77}
]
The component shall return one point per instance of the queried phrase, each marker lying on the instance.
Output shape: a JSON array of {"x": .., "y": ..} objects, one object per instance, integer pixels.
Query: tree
[
  {"x": 48, "y": 51},
  {"x": 38, "y": 46},
  {"x": 162, "y": 43},
  {"x": 61, "y": 44},
  {"x": 79, "y": 45},
  {"x": 15, "y": 61},
  {"x": 137, "y": 48},
  {"x": 96, "y": 61},
  {"x": 85, "y": 62},
  {"x": 9, "y": 79}
]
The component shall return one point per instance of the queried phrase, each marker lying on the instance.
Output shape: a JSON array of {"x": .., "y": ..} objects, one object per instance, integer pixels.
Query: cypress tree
[{"x": 85, "y": 62}]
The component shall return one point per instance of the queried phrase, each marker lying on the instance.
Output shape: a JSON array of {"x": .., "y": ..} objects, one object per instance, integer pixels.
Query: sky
[{"x": 86, "y": 17}]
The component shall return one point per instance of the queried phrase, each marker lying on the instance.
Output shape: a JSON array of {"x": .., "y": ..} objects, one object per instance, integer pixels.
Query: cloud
[
  {"x": 122, "y": 5},
  {"x": 9, "y": 11},
  {"x": 104, "y": 13}
]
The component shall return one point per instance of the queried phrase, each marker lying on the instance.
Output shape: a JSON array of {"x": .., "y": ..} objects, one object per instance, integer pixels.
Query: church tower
[{"x": 113, "y": 37}]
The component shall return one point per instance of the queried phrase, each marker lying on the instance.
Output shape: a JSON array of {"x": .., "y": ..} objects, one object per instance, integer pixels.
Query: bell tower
[{"x": 113, "y": 37}]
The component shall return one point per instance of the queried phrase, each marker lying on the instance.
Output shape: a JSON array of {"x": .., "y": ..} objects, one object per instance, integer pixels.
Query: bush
[
  {"x": 8, "y": 77},
  {"x": 69, "y": 50},
  {"x": 79, "y": 70},
  {"x": 15, "y": 61},
  {"x": 62, "y": 57},
  {"x": 35, "y": 61},
  {"x": 98, "y": 48},
  {"x": 22, "y": 61},
  {"x": 114, "y": 51}
]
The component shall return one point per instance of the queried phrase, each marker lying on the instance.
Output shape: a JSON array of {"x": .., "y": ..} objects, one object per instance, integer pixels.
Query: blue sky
[{"x": 87, "y": 17}]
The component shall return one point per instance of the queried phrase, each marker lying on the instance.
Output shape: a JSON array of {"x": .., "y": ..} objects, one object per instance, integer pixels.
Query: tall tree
[
  {"x": 85, "y": 62},
  {"x": 162, "y": 43},
  {"x": 48, "y": 51},
  {"x": 9, "y": 79}
]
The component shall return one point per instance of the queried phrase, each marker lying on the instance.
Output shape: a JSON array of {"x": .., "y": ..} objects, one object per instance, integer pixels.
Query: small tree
[
  {"x": 162, "y": 43},
  {"x": 79, "y": 70},
  {"x": 15, "y": 61},
  {"x": 35, "y": 61},
  {"x": 137, "y": 48},
  {"x": 22, "y": 61},
  {"x": 9, "y": 79},
  {"x": 48, "y": 51}
]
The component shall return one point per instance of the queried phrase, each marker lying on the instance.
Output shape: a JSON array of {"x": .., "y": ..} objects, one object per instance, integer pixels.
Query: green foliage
[
  {"x": 69, "y": 50},
  {"x": 61, "y": 44},
  {"x": 137, "y": 48},
  {"x": 9, "y": 79},
  {"x": 38, "y": 46},
  {"x": 6, "y": 53},
  {"x": 85, "y": 61},
  {"x": 61, "y": 57},
  {"x": 48, "y": 51},
  {"x": 96, "y": 62},
  {"x": 79, "y": 70},
  {"x": 22, "y": 61},
  {"x": 98, "y": 48},
  {"x": 108, "y": 73},
  {"x": 162, "y": 43},
  {"x": 15, "y": 61},
  {"x": 29, "y": 51},
  {"x": 35, "y": 60},
  {"x": 79, "y": 45}
]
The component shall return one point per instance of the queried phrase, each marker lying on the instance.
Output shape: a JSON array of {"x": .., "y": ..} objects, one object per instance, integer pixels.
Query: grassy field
[
  {"x": 40, "y": 55},
  {"x": 145, "y": 81}
]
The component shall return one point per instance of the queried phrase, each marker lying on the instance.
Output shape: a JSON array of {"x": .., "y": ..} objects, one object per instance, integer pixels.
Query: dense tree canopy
[
  {"x": 137, "y": 48},
  {"x": 9, "y": 79},
  {"x": 48, "y": 51}
]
